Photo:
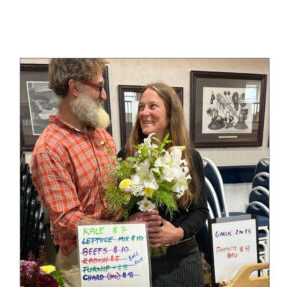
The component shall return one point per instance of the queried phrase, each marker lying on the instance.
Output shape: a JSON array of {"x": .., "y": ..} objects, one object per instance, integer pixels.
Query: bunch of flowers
[
  {"x": 152, "y": 179},
  {"x": 34, "y": 274}
]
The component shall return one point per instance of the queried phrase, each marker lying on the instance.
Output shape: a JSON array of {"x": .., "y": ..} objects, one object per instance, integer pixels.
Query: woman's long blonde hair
[{"x": 177, "y": 133}]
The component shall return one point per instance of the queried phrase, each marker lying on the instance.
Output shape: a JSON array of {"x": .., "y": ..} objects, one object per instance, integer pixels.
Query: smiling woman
[
  {"x": 160, "y": 111},
  {"x": 152, "y": 114},
  {"x": 128, "y": 107}
]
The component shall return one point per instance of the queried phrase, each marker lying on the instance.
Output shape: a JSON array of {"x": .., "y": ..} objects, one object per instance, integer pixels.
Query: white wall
[
  {"x": 176, "y": 72},
  {"x": 237, "y": 196}
]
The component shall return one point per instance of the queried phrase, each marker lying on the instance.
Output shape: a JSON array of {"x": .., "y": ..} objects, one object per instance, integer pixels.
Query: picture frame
[
  {"x": 227, "y": 109},
  {"x": 128, "y": 107},
  {"x": 38, "y": 102}
]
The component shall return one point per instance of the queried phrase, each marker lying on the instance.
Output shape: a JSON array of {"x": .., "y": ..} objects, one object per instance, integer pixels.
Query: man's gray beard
[{"x": 89, "y": 112}]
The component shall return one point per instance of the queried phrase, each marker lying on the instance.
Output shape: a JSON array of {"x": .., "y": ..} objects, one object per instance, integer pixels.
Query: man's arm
[{"x": 57, "y": 192}]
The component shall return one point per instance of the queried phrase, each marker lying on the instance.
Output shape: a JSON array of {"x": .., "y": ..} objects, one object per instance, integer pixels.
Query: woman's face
[{"x": 152, "y": 114}]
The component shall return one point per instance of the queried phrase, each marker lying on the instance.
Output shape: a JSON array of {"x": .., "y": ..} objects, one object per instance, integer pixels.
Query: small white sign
[
  {"x": 234, "y": 244},
  {"x": 114, "y": 255}
]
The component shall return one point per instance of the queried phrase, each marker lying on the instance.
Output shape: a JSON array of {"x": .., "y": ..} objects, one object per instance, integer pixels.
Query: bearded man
[{"x": 70, "y": 159}]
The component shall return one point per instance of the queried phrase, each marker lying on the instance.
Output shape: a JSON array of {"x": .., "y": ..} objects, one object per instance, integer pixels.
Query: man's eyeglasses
[{"x": 99, "y": 87}]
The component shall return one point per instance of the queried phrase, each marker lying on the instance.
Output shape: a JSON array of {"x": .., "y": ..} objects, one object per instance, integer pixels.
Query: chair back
[
  {"x": 212, "y": 173},
  {"x": 261, "y": 179},
  {"x": 260, "y": 194},
  {"x": 262, "y": 165},
  {"x": 258, "y": 208},
  {"x": 211, "y": 214},
  {"x": 212, "y": 199}
]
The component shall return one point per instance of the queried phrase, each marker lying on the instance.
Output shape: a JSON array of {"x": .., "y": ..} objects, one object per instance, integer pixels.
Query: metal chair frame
[
  {"x": 261, "y": 174},
  {"x": 259, "y": 191},
  {"x": 259, "y": 205},
  {"x": 262, "y": 165},
  {"x": 215, "y": 213},
  {"x": 219, "y": 177}
]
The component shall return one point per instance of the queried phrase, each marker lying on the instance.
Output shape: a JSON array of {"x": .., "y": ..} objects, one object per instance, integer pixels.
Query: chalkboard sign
[
  {"x": 234, "y": 244},
  {"x": 113, "y": 255}
]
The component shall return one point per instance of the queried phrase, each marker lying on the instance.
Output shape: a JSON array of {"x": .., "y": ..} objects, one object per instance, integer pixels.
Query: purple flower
[{"x": 47, "y": 281}]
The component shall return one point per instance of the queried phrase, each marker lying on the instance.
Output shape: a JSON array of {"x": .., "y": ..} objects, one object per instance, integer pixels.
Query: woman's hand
[
  {"x": 164, "y": 234},
  {"x": 151, "y": 218}
]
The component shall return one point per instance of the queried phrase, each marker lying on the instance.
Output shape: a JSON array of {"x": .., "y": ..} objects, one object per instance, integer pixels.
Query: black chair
[
  {"x": 262, "y": 212},
  {"x": 261, "y": 179},
  {"x": 262, "y": 165},
  {"x": 258, "y": 208},
  {"x": 260, "y": 194}
]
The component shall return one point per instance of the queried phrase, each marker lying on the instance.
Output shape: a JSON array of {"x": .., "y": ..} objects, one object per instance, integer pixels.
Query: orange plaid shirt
[{"x": 69, "y": 170}]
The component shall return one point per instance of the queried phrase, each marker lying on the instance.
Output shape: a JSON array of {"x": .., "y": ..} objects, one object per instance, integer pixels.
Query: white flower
[
  {"x": 155, "y": 169},
  {"x": 136, "y": 179},
  {"x": 163, "y": 160},
  {"x": 148, "y": 139},
  {"x": 168, "y": 173},
  {"x": 176, "y": 156},
  {"x": 137, "y": 189},
  {"x": 181, "y": 181},
  {"x": 146, "y": 205},
  {"x": 153, "y": 146},
  {"x": 142, "y": 168},
  {"x": 151, "y": 182}
]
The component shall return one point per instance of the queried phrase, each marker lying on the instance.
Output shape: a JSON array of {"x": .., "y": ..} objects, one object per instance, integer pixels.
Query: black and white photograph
[
  {"x": 226, "y": 109},
  {"x": 43, "y": 103},
  {"x": 229, "y": 110}
]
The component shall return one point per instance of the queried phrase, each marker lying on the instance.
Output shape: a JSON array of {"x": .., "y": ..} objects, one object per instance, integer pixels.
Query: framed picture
[
  {"x": 128, "y": 106},
  {"x": 227, "y": 109},
  {"x": 38, "y": 102}
]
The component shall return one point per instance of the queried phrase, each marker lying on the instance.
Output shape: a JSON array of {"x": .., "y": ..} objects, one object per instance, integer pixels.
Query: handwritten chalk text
[
  {"x": 109, "y": 276},
  {"x": 94, "y": 251},
  {"x": 223, "y": 233},
  {"x": 93, "y": 230},
  {"x": 101, "y": 260},
  {"x": 225, "y": 249},
  {"x": 92, "y": 240}
]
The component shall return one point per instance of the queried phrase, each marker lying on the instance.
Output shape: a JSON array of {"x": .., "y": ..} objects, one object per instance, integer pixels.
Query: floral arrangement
[
  {"x": 153, "y": 178},
  {"x": 33, "y": 273}
]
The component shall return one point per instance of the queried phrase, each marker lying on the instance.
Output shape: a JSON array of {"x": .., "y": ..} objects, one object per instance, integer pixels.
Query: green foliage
[
  {"x": 124, "y": 168},
  {"x": 165, "y": 197},
  {"x": 129, "y": 206},
  {"x": 115, "y": 199},
  {"x": 57, "y": 275}
]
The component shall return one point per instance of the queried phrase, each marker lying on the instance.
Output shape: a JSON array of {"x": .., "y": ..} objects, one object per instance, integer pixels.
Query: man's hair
[
  {"x": 177, "y": 133},
  {"x": 61, "y": 70}
]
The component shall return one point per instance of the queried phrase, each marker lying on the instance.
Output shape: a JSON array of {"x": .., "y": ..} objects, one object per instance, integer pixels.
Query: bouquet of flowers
[
  {"x": 152, "y": 179},
  {"x": 34, "y": 274}
]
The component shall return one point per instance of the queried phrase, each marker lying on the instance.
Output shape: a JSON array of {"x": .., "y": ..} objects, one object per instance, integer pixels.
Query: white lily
[
  {"x": 151, "y": 182},
  {"x": 148, "y": 139},
  {"x": 176, "y": 156},
  {"x": 163, "y": 160},
  {"x": 142, "y": 168}
]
